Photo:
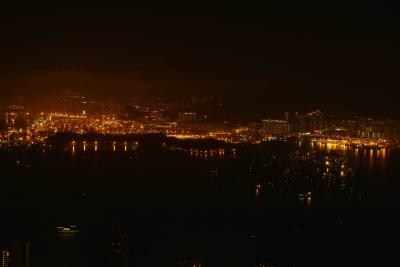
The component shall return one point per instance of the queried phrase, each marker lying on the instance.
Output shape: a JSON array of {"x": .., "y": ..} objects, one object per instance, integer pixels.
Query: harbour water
[{"x": 289, "y": 205}]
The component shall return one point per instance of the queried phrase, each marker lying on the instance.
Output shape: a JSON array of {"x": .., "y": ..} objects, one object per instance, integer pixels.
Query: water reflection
[
  {"x": 309, "y": 202},
  {"x": 384, "y": 153},
  {"x": 258, "y": 189},
  {"x": 208, "y": 154},
  {"x": 373, "y": 158},
  {"x": 95, "y": 146}
]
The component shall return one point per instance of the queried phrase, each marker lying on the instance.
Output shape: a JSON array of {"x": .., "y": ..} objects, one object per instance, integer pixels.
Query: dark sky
[{"x": 259, "y": 56}]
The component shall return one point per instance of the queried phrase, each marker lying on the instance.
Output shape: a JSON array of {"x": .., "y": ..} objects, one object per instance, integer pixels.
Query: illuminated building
[
  {"x": 312, "y": 122},
  {"x": 144, "y": 117},
  {"x": 318, "y": 121},
  {"x": 274, "y": 127},
  {"x": 187, "y": 116},
  {"x": 5, "y": 258},
  {"x": 370, "y": 128},
  {"x": 351, "y": 127},
  {"x": 294, "y": 123}
]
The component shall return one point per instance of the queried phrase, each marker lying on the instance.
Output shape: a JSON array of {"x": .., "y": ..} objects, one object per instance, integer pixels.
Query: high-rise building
[
  {"x": 311, "y": 122},
  {"x": 351, "y": 127},
  {"x": 5, "y": 258},
  {"x": 315, "y": 122},
  {"x": 378, "y": 129},
  {"x": 294, "y": 123}
]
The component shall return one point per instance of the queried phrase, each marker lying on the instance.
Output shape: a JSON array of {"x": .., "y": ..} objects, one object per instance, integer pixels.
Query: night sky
[{"x": 341, "y": 57}]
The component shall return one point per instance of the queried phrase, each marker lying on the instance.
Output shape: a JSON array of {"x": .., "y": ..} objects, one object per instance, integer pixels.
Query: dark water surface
[{"x": 236, "y": 208}]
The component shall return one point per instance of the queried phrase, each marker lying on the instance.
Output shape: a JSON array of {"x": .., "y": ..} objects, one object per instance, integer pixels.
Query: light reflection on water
[
  {"x": 373, "y": 158},
  {"x": 196, "y": 154},
  {"x": 309, "y": 202},
  {"x": 208, "y": 154},
  {"x": 96, "y": 146},
  {"x": 257, "y": 194}
]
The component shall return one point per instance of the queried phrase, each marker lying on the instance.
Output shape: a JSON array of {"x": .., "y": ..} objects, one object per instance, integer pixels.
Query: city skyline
[
  {"x": 263, "y": 57},
  {"x": 227, "y": 107},
  {"x": 199, "y": 133}
]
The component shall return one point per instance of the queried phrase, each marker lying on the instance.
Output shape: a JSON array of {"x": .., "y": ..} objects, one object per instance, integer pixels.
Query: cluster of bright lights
[{"x": 44, "y": 124}]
